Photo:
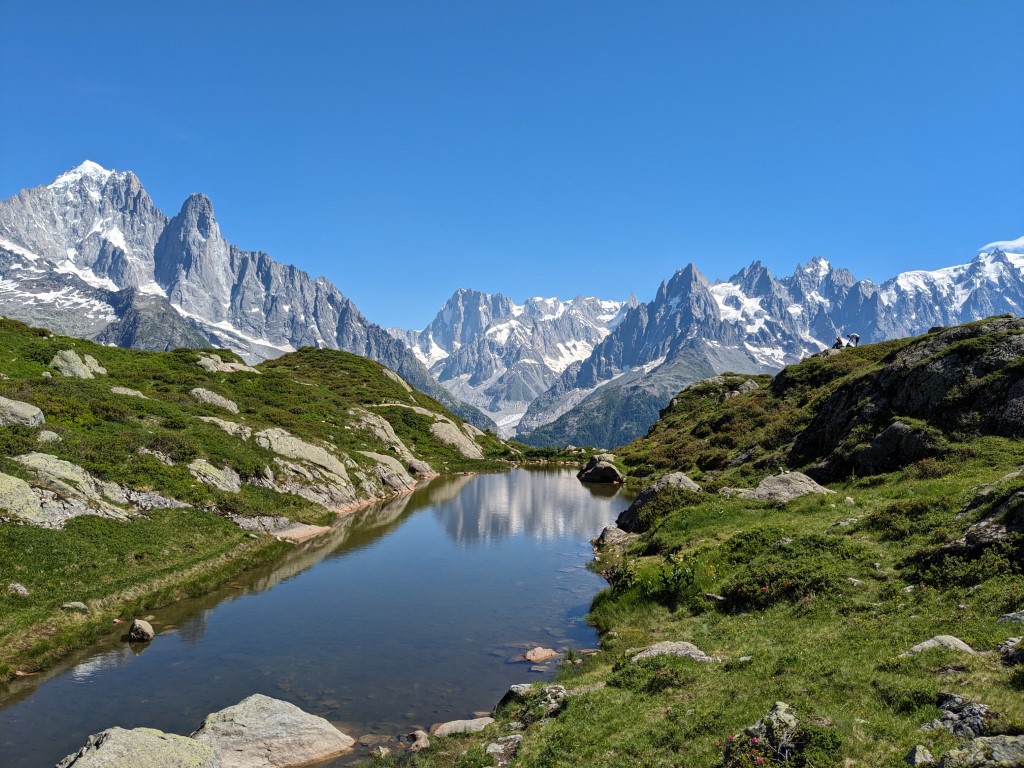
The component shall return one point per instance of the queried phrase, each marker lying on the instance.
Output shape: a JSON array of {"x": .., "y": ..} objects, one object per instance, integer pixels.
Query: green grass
[{"x": 821, "y": 595}]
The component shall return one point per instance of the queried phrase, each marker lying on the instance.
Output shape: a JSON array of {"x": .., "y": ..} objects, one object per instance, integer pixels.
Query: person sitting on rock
[{"x": 839, "y": 343}]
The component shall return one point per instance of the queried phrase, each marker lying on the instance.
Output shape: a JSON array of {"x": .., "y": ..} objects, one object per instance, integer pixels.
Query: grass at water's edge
[{"x": 129, "y": 569}]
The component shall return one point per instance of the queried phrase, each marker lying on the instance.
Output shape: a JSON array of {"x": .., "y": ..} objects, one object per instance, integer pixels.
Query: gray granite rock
[
  {"x": 208, "y": 397},
  {"x": 987, "y": 752},
  {"x": 16, "y": 412},
  {"x": 261, "y": 732},
  {"x": 940, "y": 641},
  {"x": 440, "y": 730},
  {"x": 120, "y": 748},
  {"x": 141, "y": 631},
  {"x": 671, "y": 648}
]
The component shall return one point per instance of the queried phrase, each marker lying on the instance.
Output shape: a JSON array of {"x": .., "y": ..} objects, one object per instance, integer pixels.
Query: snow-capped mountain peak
[
  {"x": 1006, "y": 246},
  {"x": 86, "y": 170}
]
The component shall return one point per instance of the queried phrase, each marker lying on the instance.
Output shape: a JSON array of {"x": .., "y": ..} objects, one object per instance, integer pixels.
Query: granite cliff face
[{"x": 90, "y": 255}]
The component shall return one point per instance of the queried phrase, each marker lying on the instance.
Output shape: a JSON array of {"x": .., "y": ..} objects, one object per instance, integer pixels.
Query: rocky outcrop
[
  {"x": 447, "y": 432},
  {"x": 987, "y": 752},
  {"x": 232, "y": 428},
  {"x": 68, "y": 363},
  {"x": 225, "y": 479},
  {"x": 600, "y": 470},
  {"x": 390, "y": 472},
  {"x": 16, "y": 412},
  {"x": 780, "y": 488},
  {"x": 964, "y": 719},
  {"x": 671, "y": 648},
  {"x": 207, "y": 397},
  {"x": 214, "y": 364},
  {"x": 631, "y": 519},
  {"x": 117, "y": 748},
  {"x": 280, "y": 527},
  {"x": 261, "y": 732},
  {"x": 526, "y": 703},
  {"x": 66, "y": 491},
  {"x": 960, "y": 379},
  {"x": 774, "y": 735}
]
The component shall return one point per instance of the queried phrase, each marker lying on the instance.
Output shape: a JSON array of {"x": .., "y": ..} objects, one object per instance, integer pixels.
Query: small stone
[
  {"x": 47, "y": 375},
  {"x": 46, "y": 436},
  {"x": 75, "y": 605},
  {"x": 141, "y": 631},
  {"x": 746, "y": 659},
  {"x": 848, "y": 501},
  {"x": 380, "y": 752},
  {"x": 919, "y": 756},
  {"x": 909, "y": 589},
  {"x": 420, "y": 741},
  {"x": 17, "y": 589},
  {"x": 855, "y": 582},
  {"x": 1016, "y": 616}
]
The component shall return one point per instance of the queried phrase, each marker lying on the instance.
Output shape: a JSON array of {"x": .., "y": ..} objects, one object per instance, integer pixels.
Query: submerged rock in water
[{"x": 261, "y": 732}]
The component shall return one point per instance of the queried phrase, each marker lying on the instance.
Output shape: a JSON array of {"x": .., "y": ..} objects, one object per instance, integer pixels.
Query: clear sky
[{"x": 545, "y": 147}]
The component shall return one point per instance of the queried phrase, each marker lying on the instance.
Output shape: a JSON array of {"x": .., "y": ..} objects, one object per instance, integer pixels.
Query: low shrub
[{"x": 806, "y": 567}]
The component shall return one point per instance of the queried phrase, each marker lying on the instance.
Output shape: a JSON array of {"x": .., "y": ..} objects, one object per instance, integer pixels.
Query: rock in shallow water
[
  {"x": 261, "y": 732},
  {"x": 118, "y": 747}
]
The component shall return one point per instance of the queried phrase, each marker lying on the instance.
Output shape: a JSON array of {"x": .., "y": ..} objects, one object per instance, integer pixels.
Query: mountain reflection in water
[{"x": 404, "y": 614}]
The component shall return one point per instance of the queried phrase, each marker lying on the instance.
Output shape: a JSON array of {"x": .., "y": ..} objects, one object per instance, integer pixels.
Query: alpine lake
[{"x": 406, "y": 614}]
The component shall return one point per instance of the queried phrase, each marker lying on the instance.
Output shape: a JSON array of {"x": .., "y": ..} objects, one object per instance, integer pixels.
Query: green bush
[
  {"x": 654, "y": 675},
  {"x": 807, "y": 567}
]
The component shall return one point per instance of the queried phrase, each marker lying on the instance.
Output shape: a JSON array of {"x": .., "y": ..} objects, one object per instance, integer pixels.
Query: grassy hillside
[
  {"x": 813, "y": 601},
  {"x": 333, "y": 405}
]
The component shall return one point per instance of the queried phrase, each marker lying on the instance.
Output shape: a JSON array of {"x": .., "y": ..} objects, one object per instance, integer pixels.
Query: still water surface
[{"x": 405, "y": 615}]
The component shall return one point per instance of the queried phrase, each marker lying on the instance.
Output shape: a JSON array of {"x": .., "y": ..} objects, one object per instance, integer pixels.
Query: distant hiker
[
  {"x": 854, "y": 339},
  {"x": 839, "y": 343}
]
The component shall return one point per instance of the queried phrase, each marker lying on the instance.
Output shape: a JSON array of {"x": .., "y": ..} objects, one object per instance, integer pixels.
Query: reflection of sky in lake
[{"x": 406, "y": 614}]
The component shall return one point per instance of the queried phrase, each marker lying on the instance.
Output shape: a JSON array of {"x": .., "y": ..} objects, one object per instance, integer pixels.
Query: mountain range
[{"x": 90, "y": 255}]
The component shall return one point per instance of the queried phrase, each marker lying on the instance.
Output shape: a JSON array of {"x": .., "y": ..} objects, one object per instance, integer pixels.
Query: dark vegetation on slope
[
  {"x": 121, "y": 568},
  {"x": 810, "y": 602}
]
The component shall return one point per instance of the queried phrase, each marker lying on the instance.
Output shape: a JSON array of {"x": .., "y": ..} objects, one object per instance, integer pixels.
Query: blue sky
[{"x": 406, "y": 149}]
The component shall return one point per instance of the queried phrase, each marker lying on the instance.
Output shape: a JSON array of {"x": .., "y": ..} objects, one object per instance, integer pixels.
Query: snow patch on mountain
[{"x": 88, "y": 169}]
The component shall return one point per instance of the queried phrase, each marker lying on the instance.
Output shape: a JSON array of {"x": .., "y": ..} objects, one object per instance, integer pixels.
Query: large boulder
[
  {"x": 783, "y": 488},
  {"x": 600, "y": 470},
  {"x": 631, "y": 519},
  {"x": 19, "y": 500},
  {"x": 14, "y": 412},
  {"x": 261, "y": 732},
  {"x": 118, "y": 747},
  {"x": 527, "y": 704},
  {"x": 71, "y": 365},
  {"x": 453, "y": 727}
]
